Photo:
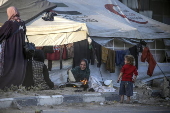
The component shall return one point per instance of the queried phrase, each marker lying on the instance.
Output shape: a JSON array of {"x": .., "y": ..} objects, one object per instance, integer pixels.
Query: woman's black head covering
[
  {"x": 39, "y": 55},
  {"x": 87, "y": 63}
]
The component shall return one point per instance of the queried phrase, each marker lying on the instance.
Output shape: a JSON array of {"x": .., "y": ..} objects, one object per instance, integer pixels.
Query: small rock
[
  {"x": 108, "y": 103},
  {"x": 101, "y": 103},
  {"x": 52, "y": 107},
  {"x": 167, "y": 98},
  {"x": 39, "y": 111},
  {"x": 36, "y": 94},
  {"x": 17, "y": 105}
]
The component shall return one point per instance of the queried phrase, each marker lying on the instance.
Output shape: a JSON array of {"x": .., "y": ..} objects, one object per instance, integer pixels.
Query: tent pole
[
  {"x": 113, "y": 44},
  {"x": 155, "y": 51}
]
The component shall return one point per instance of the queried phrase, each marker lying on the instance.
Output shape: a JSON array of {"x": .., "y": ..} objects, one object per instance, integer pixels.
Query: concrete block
[
  {"x": 97, "y": 97},
  {"x": 58, "y": 99},
  {"x": 73, "y": 98},
  {"x": 6, "y": 102},
  {"x": 50, "y": 100},
  {"x": 26, "y": 101},
  {"x": 111, "y": 96}
]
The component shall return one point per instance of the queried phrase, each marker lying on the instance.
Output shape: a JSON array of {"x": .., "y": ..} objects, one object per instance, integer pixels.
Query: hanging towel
[
  {"x": 120, "y": 58},
  {"x": 110, "y": 63},
  {"x": 104, "y": 54},
  {"x": 81, "y": 51},
  {"x": 147, "y": 56},
  {"x": 134, "y": 51},
  {"x": 97, "y": 51}
]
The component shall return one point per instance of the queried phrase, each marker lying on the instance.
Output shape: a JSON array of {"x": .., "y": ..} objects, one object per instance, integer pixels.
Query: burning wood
[
  {"x": 74, "y": 86},
  {"x": 84, "y": 81}
]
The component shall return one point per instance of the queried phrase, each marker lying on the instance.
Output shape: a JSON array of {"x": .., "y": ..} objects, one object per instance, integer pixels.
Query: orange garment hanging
[{"x": 147, "y": 56}]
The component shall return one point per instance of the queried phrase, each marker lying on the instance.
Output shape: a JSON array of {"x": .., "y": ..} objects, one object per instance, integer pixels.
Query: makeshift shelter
[
  {"x": 109, "y": 22},
  {"x": 111, "y": 18},
  {"x": 58, "y": 32},
  {"x": 115, "y": 26}
]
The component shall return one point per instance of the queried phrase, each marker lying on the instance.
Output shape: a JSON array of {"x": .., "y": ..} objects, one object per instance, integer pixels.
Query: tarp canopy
[
  {"x": 111, "y": 18},
  {"x": 29, "y": 9},
  {"x": 58, "y": 32}
]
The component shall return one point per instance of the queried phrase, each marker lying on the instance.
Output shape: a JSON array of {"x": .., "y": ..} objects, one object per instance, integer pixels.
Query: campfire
[{"x": 82, "y": 84}]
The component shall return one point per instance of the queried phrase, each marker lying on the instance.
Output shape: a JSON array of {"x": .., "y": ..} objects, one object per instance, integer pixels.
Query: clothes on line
[
  {"x": 147, "y": 56},
  {"x": 94, "y": 52},
  {"x": 81, "y": 51}
]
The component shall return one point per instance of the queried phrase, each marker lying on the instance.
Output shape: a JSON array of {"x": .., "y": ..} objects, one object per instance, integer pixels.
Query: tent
[
  {"x": 102, "y": 20},
  {"x": 29, "y": 9},
  {"x": 111, "y": 18},
  {"x": 115, "y": 26},
  {"x": 42, "y": 33},
  {"x": 58, "y": 32}
]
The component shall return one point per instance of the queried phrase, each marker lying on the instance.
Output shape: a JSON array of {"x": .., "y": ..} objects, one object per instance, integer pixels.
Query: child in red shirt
[{"x": 127, "y": 75}]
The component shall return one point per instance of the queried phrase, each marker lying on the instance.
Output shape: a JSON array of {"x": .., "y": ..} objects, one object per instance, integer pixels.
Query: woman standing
[{"x": 12, "y": 39}]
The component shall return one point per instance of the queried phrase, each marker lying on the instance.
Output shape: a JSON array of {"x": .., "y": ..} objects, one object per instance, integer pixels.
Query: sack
[
  {"x": 29, "y": 50},
  {"x": 71, "y": 76}
]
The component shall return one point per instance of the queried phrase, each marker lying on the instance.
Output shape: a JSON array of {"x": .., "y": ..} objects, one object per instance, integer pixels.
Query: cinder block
[
  {"x": 73, "y": 98},
  {"x": 111, "y": 96},
  {"x": 26, "y": 101},
  {"x": 50, "y": 100},
  {"x": 97, "y": 97},
  {"x": 6, "y": 102}
]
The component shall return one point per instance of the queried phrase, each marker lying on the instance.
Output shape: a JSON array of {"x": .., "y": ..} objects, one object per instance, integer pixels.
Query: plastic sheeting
[
  {"x": 111, "y": 18},
  {"x": 29, "y": 9},
  {"x": 58, "y": 32}
]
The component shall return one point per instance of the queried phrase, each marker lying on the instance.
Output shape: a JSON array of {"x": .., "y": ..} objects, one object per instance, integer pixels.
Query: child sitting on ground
[{"x": 127, "y": 75}]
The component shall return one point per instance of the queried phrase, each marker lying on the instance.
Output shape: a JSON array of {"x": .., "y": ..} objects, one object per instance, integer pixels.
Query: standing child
[{"x": 127, "y": 75}]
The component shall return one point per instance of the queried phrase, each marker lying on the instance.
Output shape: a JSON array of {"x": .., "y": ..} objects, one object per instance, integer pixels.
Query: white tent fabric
[
  {"x": 58, "y": 32},
  {"x": 111, "y": 18},
  {"x": 2, "y": 2}
]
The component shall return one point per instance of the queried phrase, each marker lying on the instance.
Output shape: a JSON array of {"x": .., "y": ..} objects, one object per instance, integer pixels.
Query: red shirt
[{"x": 128, "y": 72}]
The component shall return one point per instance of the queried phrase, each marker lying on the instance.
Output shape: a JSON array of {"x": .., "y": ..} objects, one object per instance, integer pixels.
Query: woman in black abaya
[{"x": 12, "y": 39}]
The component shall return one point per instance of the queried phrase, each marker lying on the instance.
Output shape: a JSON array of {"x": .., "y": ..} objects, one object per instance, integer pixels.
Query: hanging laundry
[
  {"x": 55, "y": 55},
  {"x": 97, "y": 52},
  {"x": 134, "y": 51},
  {"x": 70, "y": 50},
  {"x": 81, "y": 51},
  {"x": 63, "y": 54},
  {"x": 120, "y": 57},
  {"x": 39, "y": 47},
  {"x": 48, "y": 49},
  {"x": 92, "y": 55},
  {"x": 147, "y": 56},
  {"x": 110, "y": 63},
  {"x": 104, "y": 54}
]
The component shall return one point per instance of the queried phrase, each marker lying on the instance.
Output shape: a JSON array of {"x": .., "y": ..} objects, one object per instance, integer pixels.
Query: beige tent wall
[
  {"x": 58, "y": 32},
  {"x": 2, "y": 2},
  {"x": 58, "y": 38}
]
